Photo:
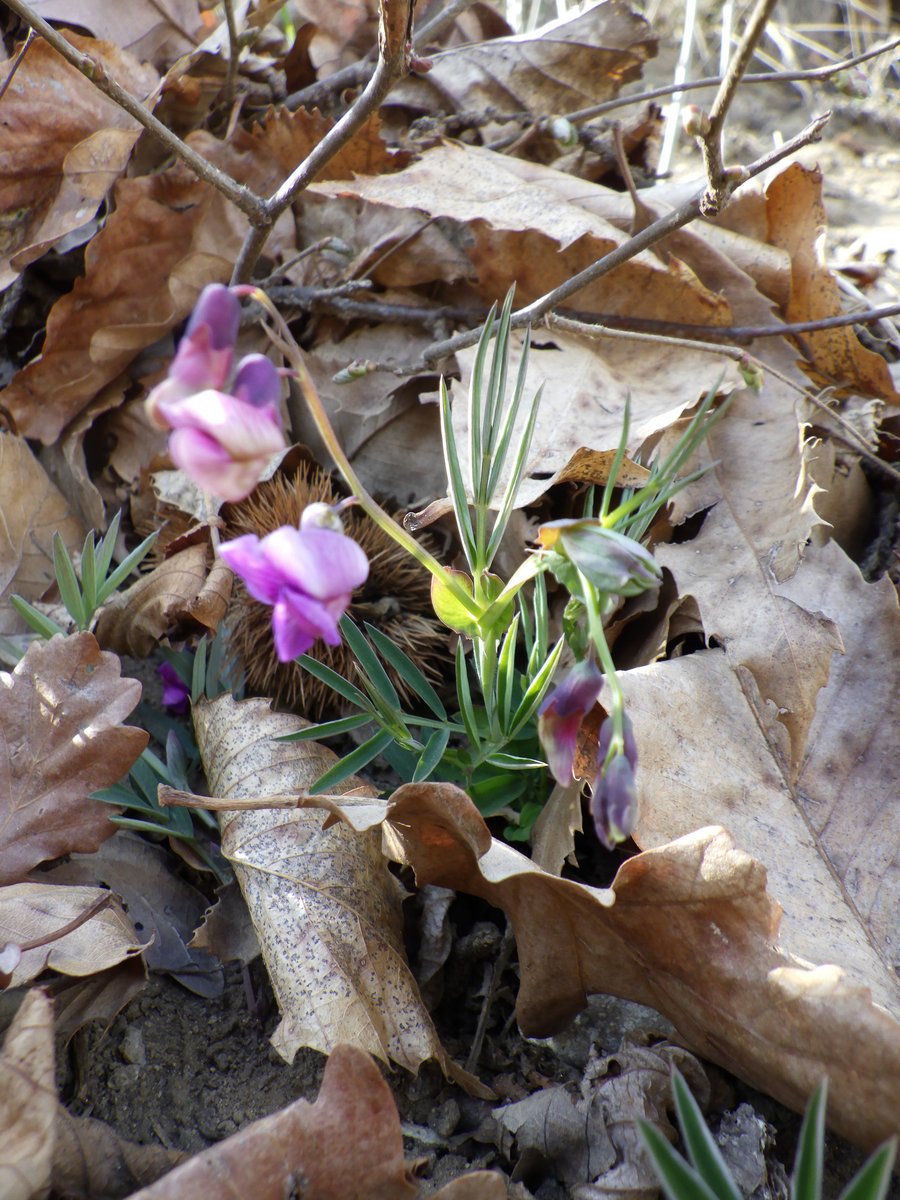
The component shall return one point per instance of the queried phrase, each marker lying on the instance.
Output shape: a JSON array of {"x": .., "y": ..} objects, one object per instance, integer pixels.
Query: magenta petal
[
  {"x": 220, "y": 311},
  {"x": 246, "y": 559},
  {"x": 561, "y": 714},
  {"x": 243, "y": 431},
  {"x": 257, "y": 382},
  {"x": 319, "y": 562},
  {"x": 211, "y": 467},
  {"x": 297, "y": 622}
]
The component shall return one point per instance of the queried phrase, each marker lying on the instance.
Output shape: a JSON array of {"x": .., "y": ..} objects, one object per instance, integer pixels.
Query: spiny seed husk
[{"x": 396, "y": 599}]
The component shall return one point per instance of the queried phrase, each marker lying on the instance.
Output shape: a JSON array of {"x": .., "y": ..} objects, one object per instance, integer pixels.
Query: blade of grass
[
  {"x": 431, "y": 755},
  {"x": 407, "y": 670},
  {"x": 336, "y": 682},
  {"x": 353, "y": 762},
  {"x": 873, "y": 1179},
  {"x": 702, "y": 1150},
  {"x": 125, "y": 567},
  {"x": 806, "y": 1179},
  {"x": 36, "y": 620},
  {"x": 464, "y": 694},
  {"x": 68, "y": 582},
  {"x": 327, "y": 729},
  {"x": 106, "y": 548},
  {"x": 455, "y": 485},
  {"x": 679, "y": 1181},
  {"x": 370, "y": 663}
]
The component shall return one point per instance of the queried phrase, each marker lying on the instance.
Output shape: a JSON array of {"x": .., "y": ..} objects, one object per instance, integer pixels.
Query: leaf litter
[{"x": 767, "y": 834}]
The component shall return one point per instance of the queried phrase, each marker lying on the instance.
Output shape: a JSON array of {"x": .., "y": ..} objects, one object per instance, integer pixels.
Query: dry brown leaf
[
  {"x": 156, "y": 31},
  {"x": 263, "y": 156},
  {"x": 565, "y": 65},
  {"x": 27, "y": 1101},
  {"x": 32, "y": 911},
  {"x": 476, "y": 1185},
  {"x": 687, "y": 928},
  {"x": 515, "y": 221},
  {"x": 164, "y": 907},
  {"x": 62, "y": 144},
  {"x": 90, "y": 1160},
  {"x": 751, "y": 541},
  {"x": 586, "y": 385},
  {"x": 62, "y": 738},
  {"x": 99, "y": 997},
  {"x": 345, "y": 1146},
  {"x": 164, "y": 241},
  {"x": 326, "y": 909},
  {"x": 710, "y": 751},
  {"x": 31, "y": 511},
  {"x": 184, "y": 593},
  {"x": 797, "y": 223},
  {"x": 593, "y": 1139}
]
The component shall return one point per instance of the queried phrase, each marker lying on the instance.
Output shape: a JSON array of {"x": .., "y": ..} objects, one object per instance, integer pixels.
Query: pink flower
[
  {"x": 223, "y": 439},
  {"x": 307, "y": 575},
  {"x": 561, "y": 714},
  {"x": 614, "y": 793}
]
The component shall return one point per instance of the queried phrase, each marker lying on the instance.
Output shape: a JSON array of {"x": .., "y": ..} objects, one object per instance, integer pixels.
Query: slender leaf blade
[
  {"x": 431, "y": 755},
  {"x": 68, "y": 582},
  {"x": 407, "y": 670},
  {"x": 327, "y": 729},
  {"x": 353, "y": 762},
  {"x": 336, "y": 682},
  {"x": 36, "y": 620},
  {"x": 873, "y": 1179},
  {"x": 703, "y": 1152},
  {"x": 679, "y": 1181},
  {"x": 806, "y": 1180}
]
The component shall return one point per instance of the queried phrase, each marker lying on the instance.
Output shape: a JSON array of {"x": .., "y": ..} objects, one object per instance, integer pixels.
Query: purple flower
[
  {"x": 307, "y": 575},
  {"x": 223, "y": 439},
  {"x": 561, "y": 714},
  {"x": 614, "y": 802},
  {"x": 614, "y": 564},
  {"x": 176, "y": 694}
]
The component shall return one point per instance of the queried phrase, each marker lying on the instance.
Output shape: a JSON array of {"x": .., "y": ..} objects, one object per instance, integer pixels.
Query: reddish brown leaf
[
  {"x": 61, "y": 740},
  {"x": 62, "y": 145},
  {"x": 345, "y": 1146}
]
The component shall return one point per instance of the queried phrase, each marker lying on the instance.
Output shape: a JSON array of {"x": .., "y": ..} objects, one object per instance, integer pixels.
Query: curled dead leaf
[{"x": 27, "y": 1101}]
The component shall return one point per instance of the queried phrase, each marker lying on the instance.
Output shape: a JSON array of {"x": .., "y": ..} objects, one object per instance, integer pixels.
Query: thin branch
[
  {"x": 711, "y": 140},
  {"x": 676, "y": 219},
  {"x": 711, "y": 81},
  {"x": 242, "y": 197},
  {"x": 854, "y": 439},
  {"x": 234, "y": 52},
  {"x": 387, "y": 72}
]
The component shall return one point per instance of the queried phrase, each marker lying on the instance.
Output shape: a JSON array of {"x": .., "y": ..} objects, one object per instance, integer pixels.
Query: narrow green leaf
[
  {"x": 515, "y": 478},
  {"x": 496, "y": 396},
  {"x": 537, "y": 689},
  {"x": 431, "y": 755},
  {"x": 455, "y": 485},
  {"x": 501, "y": 436},
  {"x": 36, "y": 620},
  {"x": 106, "y": 548},
  {"x": 700, "y": 1144},
  {"x": 125, "y": 567},
  {"x": 806, "y": 1180},
  {"x": 370, "y": 663},
  {"x": 506, "y": 674},
  {"x": 198, "y": 672},
  {"x": 609, "y": 488},
  {"x": 873, "y": 1179},
  {"x": 464, "y": 694},
  {"x": 478, "y": 414},
  {"x": 327, "y": 729},
  {"x": 68, "y": 582},
  {"x": 492, "y": 795},
  {"x": 407, "y": 670},
  {"x": 353, "y": 762},
  {"x": 513, "y": 762},
  {"x": 89, "y": 576},
  {"x": 336, "y": 682},
  {"x": 119, "y": 794},
  {"x": 679, "y": 1181}
]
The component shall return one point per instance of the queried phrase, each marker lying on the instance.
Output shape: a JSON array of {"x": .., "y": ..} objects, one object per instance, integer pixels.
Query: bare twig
[
  {"x": 854, "y": 440},
  {"x": 242, "y": 197},
  {"x": 683, "y": 215},
  {"x": 234, "y": 51},
  {"x": 711, "y": 139},
  {"x": 711, "y": 81}
]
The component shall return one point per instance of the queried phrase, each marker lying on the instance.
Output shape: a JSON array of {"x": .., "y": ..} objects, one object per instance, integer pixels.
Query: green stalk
[
  {"x": 285, "y": 342},
  {"x": 598, "y": 637}
]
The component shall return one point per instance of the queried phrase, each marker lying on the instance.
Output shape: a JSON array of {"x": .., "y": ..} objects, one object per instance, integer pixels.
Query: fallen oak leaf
[
  {"x": 61, "y": 739},
  {"x": 687, "y": 928},
  {"x": 90, "y": 1160},
  {"x": 345, "y": 1146}
]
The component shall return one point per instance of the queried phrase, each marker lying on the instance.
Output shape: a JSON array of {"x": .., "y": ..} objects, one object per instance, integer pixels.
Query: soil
[{"x": 184, "y": 1071}]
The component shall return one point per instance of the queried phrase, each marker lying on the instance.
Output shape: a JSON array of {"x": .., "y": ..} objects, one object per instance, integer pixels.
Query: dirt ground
[{"x": 185, "y": 1071}]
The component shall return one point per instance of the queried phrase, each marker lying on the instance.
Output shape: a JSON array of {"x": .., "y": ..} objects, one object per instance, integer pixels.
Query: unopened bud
[
  {"x": 357, "y": 369},
  {"x": 321, "y": 516},
  {"x": 694, "y": 121},
  {"x": 563, "y": 131},
  {"x": 751, "y": 373}
]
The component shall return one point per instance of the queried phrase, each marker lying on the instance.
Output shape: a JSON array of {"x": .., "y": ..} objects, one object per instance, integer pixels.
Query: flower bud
[
  {"x": 614, "y": 802},
  {"x": 321, "y": 516},
  {"x": 561, "y": 714},
  {"x": 694, "y": 121},
  {"x": 613, "y": 563}
]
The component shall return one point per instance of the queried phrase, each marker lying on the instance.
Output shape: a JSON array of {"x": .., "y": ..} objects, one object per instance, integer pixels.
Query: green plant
[
  {"x": 84, "y": 591},
  {"x": 705, "y": 1175},
  {"x": 491, "y": 741}
]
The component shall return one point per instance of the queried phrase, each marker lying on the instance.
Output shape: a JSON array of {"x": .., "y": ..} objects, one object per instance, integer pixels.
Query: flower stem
[
  {"x": 598, "y": 637},
  {"x": 284, "y": 339}
]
